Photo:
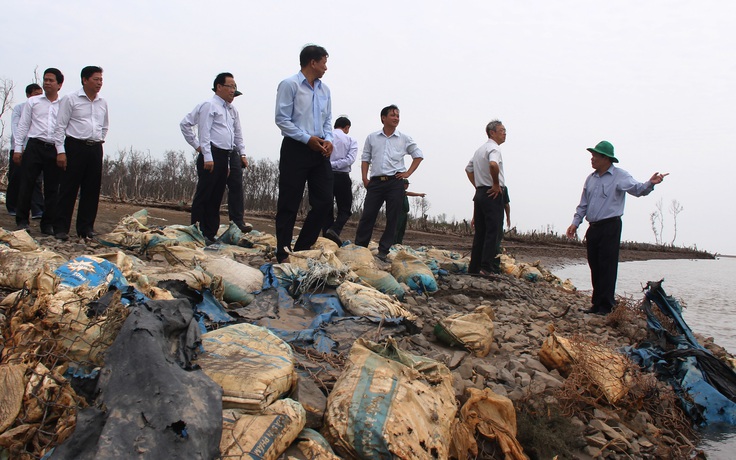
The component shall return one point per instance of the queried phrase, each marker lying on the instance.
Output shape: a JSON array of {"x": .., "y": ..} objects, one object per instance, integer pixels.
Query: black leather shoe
[
  {"x": 47, "y": 230},
  {"x": 62, "y": 236},
  {"x": 25, "y": 227},
  {"x": 334, "y": 237},
  {"x": 89, "y": 235},
  {"x": 245, "y": 228},
  {"x": 593, "y": 310}
]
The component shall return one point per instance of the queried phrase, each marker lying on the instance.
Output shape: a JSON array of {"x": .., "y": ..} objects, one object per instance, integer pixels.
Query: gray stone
[
  {"x": 532, "y": 363},
  {"x": 596, "y": 440},
  {"x": 312, "y": 399},
  {"x": 548, "y": 380},
  {"x": 421, "y": 341},
  {"x": 505, "y": 375},
  {"x": 465, "y": 370},
  {"x": 458, "y": 299},
  {"x": 526, "y": 379},
  {"x": 486, "y": 369},
  {"x": 456, "y": 358}
]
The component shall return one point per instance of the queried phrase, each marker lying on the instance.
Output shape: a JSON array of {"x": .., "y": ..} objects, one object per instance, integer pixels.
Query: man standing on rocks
[
  {"x": 485, "y": 172},
  {"x": 11, "y": 198},
  {"x": 343, "y": 156},
  {"x": 38, "y": 155},
  {"x": 384, "y": 152},
  {"x": 304, "y": 116},
  {"x": 602, "y": 203},
  {"x": 220, "y": 137},
  {"x": 81, "y": 127},
  {"x": 238, "y": 161}
]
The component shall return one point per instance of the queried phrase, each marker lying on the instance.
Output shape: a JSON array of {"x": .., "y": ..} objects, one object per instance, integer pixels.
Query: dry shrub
[
  {"x": 579, "y": 396},
  {"x": 544, "y": 432},
  {"x": 47, "y": 346}
]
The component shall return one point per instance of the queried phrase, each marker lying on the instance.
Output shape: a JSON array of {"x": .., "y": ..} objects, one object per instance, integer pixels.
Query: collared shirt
[
  {"x": 14, "y": 120},
  {"x": 303, "y": 111},
  {"x": 480, "y": 164},
  {"x": 386, "y": 153},
  {"x": 81, "y": 118},
  {"x": 604, "y": 196},
  {"x": 38, "y": 120},
  {"x": 218, "y": 125},
  {"x": 344, "y": 152},
  {"x": 187, "y": 129}
]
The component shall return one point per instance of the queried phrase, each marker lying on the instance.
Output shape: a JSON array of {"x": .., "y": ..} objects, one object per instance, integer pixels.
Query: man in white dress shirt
[
  {"x": 238, "y": 161},
  {"x": 343, "y": 156},
  {"x": 81, "y": 127},
  {"x": 13, "y": 175},
  {"x": 384, "y": 153},
  {"x": 38, "y": 123},
  {"x": 220, "y": 135}
]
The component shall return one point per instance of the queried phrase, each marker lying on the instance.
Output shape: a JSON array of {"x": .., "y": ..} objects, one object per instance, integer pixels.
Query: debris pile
[{"x": 151, "y": 344}]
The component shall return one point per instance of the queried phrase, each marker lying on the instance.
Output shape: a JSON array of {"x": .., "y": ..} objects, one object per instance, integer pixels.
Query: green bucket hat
[{"x": 604, "y": 148}]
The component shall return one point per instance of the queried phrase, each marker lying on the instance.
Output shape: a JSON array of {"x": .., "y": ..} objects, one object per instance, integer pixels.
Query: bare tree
[
  {"x": 6, "y": 101},
  {"x": 657, "y": 220},
  {"x": 675, "y": 209}
]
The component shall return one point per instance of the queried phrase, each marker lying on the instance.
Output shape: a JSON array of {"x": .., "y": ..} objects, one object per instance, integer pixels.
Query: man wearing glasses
[
  {"x": 219, "y": 136},
  {"x": 304, "y": 116}
]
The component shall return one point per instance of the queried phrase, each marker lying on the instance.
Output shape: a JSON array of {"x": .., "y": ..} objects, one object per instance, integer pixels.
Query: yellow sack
[
  {"x": 494, "y": 417},
  {"x": 251, "y": 364}
]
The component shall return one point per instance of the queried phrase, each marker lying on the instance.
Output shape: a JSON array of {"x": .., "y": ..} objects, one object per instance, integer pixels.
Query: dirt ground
[{"x": 551, "y": 256}]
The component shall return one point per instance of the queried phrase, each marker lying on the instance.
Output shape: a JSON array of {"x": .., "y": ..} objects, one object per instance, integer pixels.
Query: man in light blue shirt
[
  {"x": 602, "y": 203},
  {"x": 384, "y": 153},
  {"x": 304, "y": 116},
  {"x": 343, "y": 156}
]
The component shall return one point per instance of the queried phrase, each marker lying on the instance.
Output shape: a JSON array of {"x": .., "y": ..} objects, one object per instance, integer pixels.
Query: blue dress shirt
[
  {"x": 604, "y": 196},
  {"x": 303, "y": 111},
  {"x": 386, "y": 153}
]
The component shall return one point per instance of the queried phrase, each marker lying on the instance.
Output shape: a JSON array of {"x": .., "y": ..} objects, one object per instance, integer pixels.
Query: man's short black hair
[
  {"x": 90, "y": 70},
  {"x": 386, "y": 110},
  {"x": 220, "y": 79},
  {"x": 342, "y": 122},
  {"x": 57, "y": 73},
  {"x": 31, "y": 88},
  {"x": 311, "y": 52}
]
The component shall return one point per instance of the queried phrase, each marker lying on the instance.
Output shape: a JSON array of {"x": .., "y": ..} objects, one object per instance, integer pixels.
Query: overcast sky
[{"x": 655, "y": 78}]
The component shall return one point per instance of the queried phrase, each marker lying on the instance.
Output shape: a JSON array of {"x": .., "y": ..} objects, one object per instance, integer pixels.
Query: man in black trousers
[
  {"x": 304, "y": 116},
  {"x": 602, "y": 204},
  {"x": 38, "y": 124},
  {"x": 81, "y": 127}
]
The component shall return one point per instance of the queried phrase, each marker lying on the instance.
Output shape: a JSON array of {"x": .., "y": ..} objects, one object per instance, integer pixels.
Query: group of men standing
[
  {"x": 312, "y": 154},
  {"x": 61, "y": 138}
]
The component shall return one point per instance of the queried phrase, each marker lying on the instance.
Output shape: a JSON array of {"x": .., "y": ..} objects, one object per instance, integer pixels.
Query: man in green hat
[{"x": 602, "y": 204}]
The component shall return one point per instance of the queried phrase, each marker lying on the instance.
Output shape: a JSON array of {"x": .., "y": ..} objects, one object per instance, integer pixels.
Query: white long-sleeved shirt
[
  {"x": 187, "y": 129},
  {"x": 38, "y": 120},
  {"x": 14, "y": 119},
  {"x": 344, "y": 152},
  {"x": 219, "y": 125},
  {"x": 81, "y": 118}
]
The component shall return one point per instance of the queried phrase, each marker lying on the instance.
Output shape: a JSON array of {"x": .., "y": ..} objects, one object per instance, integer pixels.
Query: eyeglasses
[{"x": 232, "y": 87}]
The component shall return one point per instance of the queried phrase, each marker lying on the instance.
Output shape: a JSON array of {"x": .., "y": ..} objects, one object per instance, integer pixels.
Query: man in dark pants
[
  {"x": 343, "y": 156},
  {"x": 81, "y": 127},
  {"x": 304, "y": 116},
  {"x": 485, "y": 172},
  {"x": 602, "y": 203},
  {"x": 11, "y": 197},
  {"x": 220, "y": 136},
  {"x": 384, "y": 152},
  {"x": 238, "y": 161},
  {"x": 38, "y": 124}
]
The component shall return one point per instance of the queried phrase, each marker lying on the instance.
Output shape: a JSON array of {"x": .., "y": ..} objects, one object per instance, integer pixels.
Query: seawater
[{"x": 705, "y": 289}]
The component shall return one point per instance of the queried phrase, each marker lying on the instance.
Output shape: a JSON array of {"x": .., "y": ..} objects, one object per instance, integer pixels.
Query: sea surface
[{"x": 706, "y": 289}]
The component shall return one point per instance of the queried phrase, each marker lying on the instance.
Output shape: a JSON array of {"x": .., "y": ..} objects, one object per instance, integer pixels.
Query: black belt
[
  {"x": 85, "y": 141},
  {"x": 41, "y": 141},
  {"x": 383, "y": 178},
  {"x": 214, "y": 147},
  {"x": 605, "y": 221}
]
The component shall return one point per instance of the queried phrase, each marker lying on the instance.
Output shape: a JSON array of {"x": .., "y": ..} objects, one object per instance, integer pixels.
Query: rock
[
  {"x": 465, "y": 370},
  {"x": 458, "y": 299},
  {"x": 596, "y": 440},
  {"x": 548, "y": 380},
  {"x": 486, "y": 369},
  {"x": 525, "y": 378},
  {"x": 534, "y": 364},
  {"x": 456, "y": 358}
]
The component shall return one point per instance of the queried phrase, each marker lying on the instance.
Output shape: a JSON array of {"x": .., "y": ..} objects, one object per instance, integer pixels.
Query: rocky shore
[{"x": 557, "y": 415}]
